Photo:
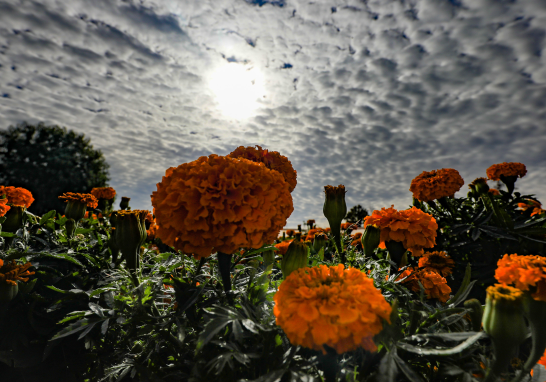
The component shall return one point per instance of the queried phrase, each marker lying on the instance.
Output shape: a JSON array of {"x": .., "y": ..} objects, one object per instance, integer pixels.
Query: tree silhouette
[
  {"x": 356, "y": 215},
  {"x": 47, "y": 161}
]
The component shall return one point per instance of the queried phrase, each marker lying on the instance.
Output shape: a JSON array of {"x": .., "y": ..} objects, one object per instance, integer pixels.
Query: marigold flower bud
[
  {"x": 130, "y": 235},
  {"x": 70, "y": 226},
  {"x": 8, "y": 292},
  {"x": 371, "y": 239},
  {"x": 124, "y": 204},
  {"x": 335, "y": 210},
  {"x": 503, "y": 321},
  {"x": 269, "y": 257},
  {"x": 535, "y": 311},
  {"x": 319, "y": 241},
  {"x": 476, "y": 313},
  {"x": 479, "y": 185},
  {"x": 296, "y": 257},
  {"x": 14, "y": 219}
]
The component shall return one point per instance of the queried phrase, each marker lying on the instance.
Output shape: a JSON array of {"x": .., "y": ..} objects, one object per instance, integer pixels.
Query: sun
[{"x": 237, "y": 89}]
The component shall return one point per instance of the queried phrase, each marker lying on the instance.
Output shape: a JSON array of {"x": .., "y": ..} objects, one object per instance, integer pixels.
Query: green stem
[{"x": 224, "y": 266}]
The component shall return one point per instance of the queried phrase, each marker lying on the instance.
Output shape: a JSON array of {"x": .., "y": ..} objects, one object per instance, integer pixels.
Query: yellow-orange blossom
[
  {"x": 330, "y": 306},
  {"x": 220, "y": 204}
]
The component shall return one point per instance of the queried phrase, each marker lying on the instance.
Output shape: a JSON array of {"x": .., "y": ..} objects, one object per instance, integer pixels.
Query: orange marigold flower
[
  {"x": 413, "y": 227},
  {"x": 220, "y": 204},
  {"x": 103, "y": 193},
  {"x": 95, "y": 217},
  {"x": 524, "y": 272},
  {"x": 535, "y": 206},
  {"x": 152, "y": 231},
  {"x": 494, "y": 191},
  {"x": 326, "y": 230},
  {"x": 290, "y": 232},
  {"x": 331, "y": 306},
  {"x": 356, "y": 240},
  {"x": 10, "y": 272},
  {"x": 312, "y": 232},
  {"x": 516, "y": 169},
  {"x": 436, "y": 184},
  {"x": 17, "y": 196},
  {"x": 347, "y": 225},
  {"x": 438, "y": 261},
  {"x": 272, "y": 159},
  {"x": 4, "y": 207},
  {"x": 88, "y": 199},
  {"x": 434, "y": 284},
  {"x": 310, "y": 221},
  {"x": 283, "y": 246}
]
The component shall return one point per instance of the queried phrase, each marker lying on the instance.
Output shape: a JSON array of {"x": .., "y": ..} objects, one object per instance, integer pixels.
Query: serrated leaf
[
  {"x": 48, "y": 216},
  {"x": 212, "y": 328}
]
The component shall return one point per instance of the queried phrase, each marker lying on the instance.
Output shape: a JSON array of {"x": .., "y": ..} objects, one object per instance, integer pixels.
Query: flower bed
[{"x": 205, "y": 289}]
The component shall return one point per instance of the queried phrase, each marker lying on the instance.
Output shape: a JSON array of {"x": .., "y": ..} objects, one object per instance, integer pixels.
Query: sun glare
[{"x": 237, "y": 89}]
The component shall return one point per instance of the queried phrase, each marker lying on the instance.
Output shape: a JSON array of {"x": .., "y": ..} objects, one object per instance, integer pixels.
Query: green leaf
[
  {"x": 388, "y": 369},
  {"x": 212, "y": 328},
  {"x": 48, "y": 216},
  {"x": 75, "y": 327},
  {"x": 412, "y": 375},
  {"x": 7, "y": 234}
]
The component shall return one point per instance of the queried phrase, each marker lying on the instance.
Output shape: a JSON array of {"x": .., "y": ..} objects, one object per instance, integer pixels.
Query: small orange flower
[
  {"x": 438, "y": 261},
  {"x": 4, "y": 207},
  {"x": 331, "y": 306},
  {"x": 524, "y": 272},
  {"x": 283, "y": 246},
  {"x": 290, "y": 232},
  {"x": 272, "y": 159},
  {"x": 414, "y": 228},
  {"x": 10, "y": 272},
  {"x": 535, "y": 206},
  {"x": 312, "y": 232},
  {"x": 95, "y": 217},
  {"x": 103, "y": 193},
  {"x": 220, "y": 204},
  {"x": 89, "y": 199},
  {"x": 494, "y": 191},
  {"x": 434, "y": 284},
  {"x": 356, "y": 240},
  {"x": 436, "y": 184},
  {"x": 310, "y": 221},
  {"x": 347, "y": 225},
  {"x": 17, "y": 196},
  {"x": 516, "y": 169}
]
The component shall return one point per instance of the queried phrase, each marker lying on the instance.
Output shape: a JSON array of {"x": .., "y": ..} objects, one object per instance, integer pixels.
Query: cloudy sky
[{"x": 365, "y": 93}]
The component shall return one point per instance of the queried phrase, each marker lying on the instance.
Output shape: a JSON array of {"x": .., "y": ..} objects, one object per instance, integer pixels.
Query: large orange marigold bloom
[
  {"x": 330, "y": 306},
  {"x": 434, "y": 284},
  {"x": 4, "y": 207},
  {"x": 272, "y": 160},
  {"x": 414, "y": 228},
  {"x": 103, "y": 193},
  {"x": 17, "y": 196},
  {"x": 283, "y": 246},
  {"x": 10, "y": 272},
  {"x": 436, "y": 184},
  {"x": 220, "y": 204},
  {"x": 516, "y": 169},
  {"x": 524, "y": 272},
  {"x": 88, "y": 199},
  {"x": 438, "y": 261}
]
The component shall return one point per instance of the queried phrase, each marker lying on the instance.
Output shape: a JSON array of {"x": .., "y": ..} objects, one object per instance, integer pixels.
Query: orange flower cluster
[
  {"x": 436, "y": 184},
  {"x": 220, "y": 204},
  {"x": 290, "y": 232},
  {"x": 95, "y": 217},
  {"x": 517, "y": 169},
  {"x": 524, "y": 272},
  {"x": 437, "y": 261},
  {"x": 414, "y": 228},
  {"x": 103, "y": 193},
  {"x": 330, "y": 306},
  {"x": 4, "y": 207},
  {"x": 283, "y": 246},
  {"x": 312, "y": 232},
  {"x": 272, "y": 160},
  {"x": 10, "y": 272},
  {"x": 310, "y": 221},
  {"x": 494, "y": 191},
  {"x": 347, "y": 225},
  {"x": 17, "y": 196},
  {"x": 434, "y": 284},
  {"x": 531, "y": 204},
  {"x": 88, "y": 199},
  {"x": 357, "y": 240}
]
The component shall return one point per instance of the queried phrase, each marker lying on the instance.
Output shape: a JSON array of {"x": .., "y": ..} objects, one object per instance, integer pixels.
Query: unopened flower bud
[
  {"x": 476, "y": 313},
  {"x": 14, "y": 219},
  {"x": 70, "y": 226},
  {"x": 130, "y": 235},
  {"x": 535, "y": 311},
  {"x": 371, "y": 239},
  {"x": 503, "y": 321},
  {"x": 296, "y": 257},
  {"x": 269, "y": 257},
  {"x": 319, "y": 241},
  {"x": 335, "y": 210},
  {"x": 124, "y": 204},
  {"x": 8, "y": 292}
]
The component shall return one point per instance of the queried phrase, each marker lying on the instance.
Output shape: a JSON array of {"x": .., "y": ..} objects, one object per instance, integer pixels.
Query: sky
[{"x": 365, "y": 93}]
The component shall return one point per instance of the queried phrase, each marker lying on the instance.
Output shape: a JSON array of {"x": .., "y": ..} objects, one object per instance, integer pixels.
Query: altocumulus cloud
[{"x": 362, "y": 93}]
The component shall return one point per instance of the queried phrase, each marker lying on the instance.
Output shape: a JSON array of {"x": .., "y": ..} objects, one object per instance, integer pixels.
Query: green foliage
[{"x": 48, "y": 161}]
